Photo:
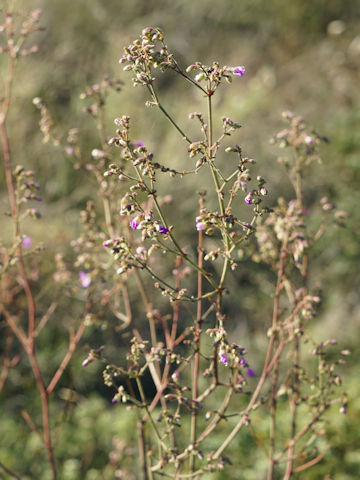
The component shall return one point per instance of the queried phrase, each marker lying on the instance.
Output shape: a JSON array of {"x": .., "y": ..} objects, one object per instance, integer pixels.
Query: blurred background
[{"x": 302, "y": 56}]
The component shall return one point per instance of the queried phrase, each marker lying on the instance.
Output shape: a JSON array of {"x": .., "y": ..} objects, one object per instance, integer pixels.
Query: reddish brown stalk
[
  {"x": 74, "y": 340},
  {"x": 31, "y": 424},
  {"x": 26, "y": 340},
  {"x": 264, "y": 375},
  {"x": 7, "y": 362},
  {"x": 312, "y": 462}
]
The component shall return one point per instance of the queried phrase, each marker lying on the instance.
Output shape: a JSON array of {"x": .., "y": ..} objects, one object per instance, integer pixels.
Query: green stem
[
  {"x": 219, "y": 193},
  {"x": 171, "y": 120},
  {"x": 177, "y": 246},
  {"x": 189, "y": 79},
  {"x": 196, "y": 366}
]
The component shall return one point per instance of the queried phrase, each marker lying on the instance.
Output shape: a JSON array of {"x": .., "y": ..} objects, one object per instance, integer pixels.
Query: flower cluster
[
  {"x": 213, "y": 75},
  {"x": 122, "y": 254},
  {"x": 18, "y": 28},
  {"x": 145, "y": 54},
  {"x": 299, "y": 137},
  {"x": 286, "y": 222},
  {"x": 98, "y": 92},
  {"x": 148, "y": 226}
]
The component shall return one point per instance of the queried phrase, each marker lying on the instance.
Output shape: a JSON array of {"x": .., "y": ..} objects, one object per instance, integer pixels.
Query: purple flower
[
  {"x": 162, "y": 229},
  {"x": 250, "y": 372},
  {"x": 242, "y": 361},
  {"x": 223, "y": 358},
  {"x": 200, "y": 225},
  {"x": 139, "y": 143},
  {"x": 134, "y": 223},
  {"x": 26, "y": 242},
  {"x": 85, "y": 279},
  {"x": 248, "y": 199},
  {"x": 239, "y": 71},
  {"x": 89, "y": 359}
]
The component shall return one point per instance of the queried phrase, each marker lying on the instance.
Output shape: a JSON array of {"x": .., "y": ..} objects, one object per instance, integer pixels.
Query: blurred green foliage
[{"x": 296, "y": 58}]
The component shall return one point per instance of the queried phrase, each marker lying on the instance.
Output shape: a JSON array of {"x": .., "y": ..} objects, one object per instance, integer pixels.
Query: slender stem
[
  {"x": 177, "y": 246},
  {"x": 74, "y": 340},
  {"x": 189, "y": 79},
  {"x": 273, "y": 406},
  {"x": 275, "y": 317},
  {"x": 27, "y": 341},
  {"x": 9, "y": 472},
  {"x": 293, "y": 399},
  {"x": 218, "y": 417},
  {"x": 142, "y": 449},
  {"x": 169, "y": 117},
  {"x": 196, "y": 365},
  {"x": 218, "y": 191},
  {"x": 312, "y": 462}
]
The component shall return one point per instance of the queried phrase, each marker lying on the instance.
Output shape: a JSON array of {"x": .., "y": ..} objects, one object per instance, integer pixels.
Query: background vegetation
[{"x": 300, "y": 56}]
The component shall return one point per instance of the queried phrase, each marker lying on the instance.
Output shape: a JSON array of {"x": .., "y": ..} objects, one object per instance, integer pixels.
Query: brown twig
[
  {"x": 74, "y": 340},
  {"x": 26, "y": 340}
]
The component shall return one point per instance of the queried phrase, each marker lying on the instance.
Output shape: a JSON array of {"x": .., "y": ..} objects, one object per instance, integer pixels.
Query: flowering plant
[{"x": 132, "y": 262}]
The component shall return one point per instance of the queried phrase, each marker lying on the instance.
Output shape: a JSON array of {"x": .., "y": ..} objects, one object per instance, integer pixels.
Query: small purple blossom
[
  {"x": 26, "y": 242},
  {"x": 223, "y": 358},
  {"x": 162, "y": 229},
  {"x": 134, "y": 224},
  {"x": 242, "y": 361},
  {"x": 89, "y": 359},
  {"x": 248, "y": 199},
  {"x": 200, "y": 226},
  {"x": 85, "y": 279},
  {"x": 250, "y": 372},
  {"x": 139, "y": 143},
  {"x": 239, "y": 71}
]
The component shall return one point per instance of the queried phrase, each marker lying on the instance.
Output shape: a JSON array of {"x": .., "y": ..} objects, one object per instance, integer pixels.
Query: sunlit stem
[
  {"x": 169, "y": 117},
  {"x": 218, "y": 191}
]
